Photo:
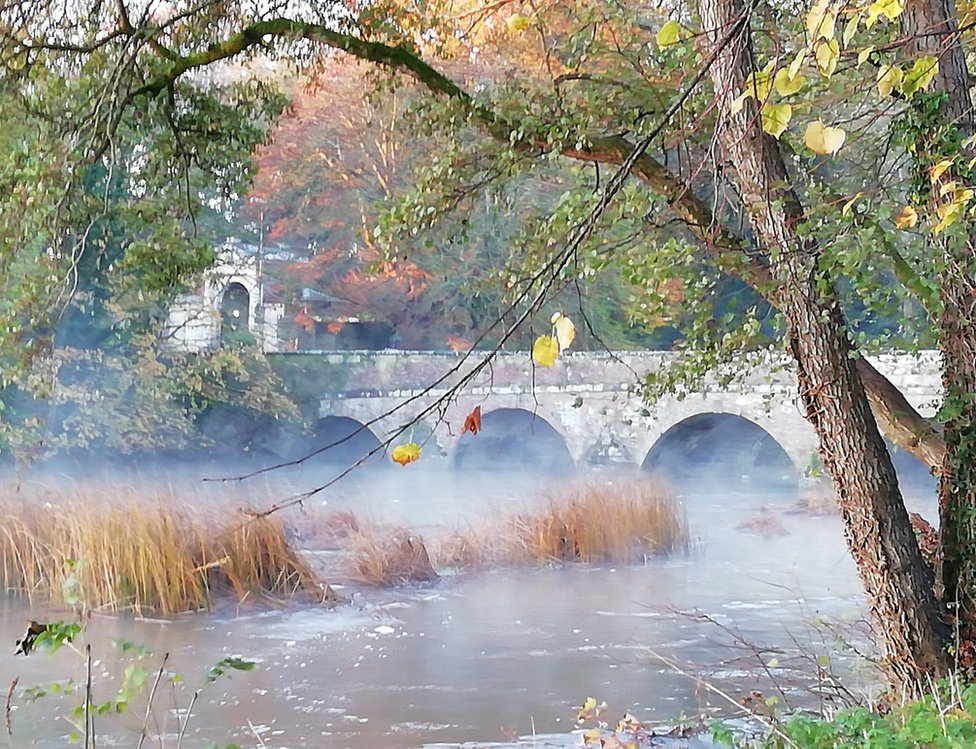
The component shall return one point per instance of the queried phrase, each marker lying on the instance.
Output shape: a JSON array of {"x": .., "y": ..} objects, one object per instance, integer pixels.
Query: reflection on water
[{"x": 483, "y": 657}]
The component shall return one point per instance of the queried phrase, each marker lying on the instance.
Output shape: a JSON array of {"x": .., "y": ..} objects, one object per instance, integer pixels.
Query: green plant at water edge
[
  {"x": 133, "y": 684},
  {"x": 944, "y": 719}
]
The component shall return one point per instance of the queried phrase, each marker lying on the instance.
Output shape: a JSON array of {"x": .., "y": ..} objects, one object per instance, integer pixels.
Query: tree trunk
[
  {"x": 898, "y": 583},
  {"x": 931, "y": 26}
]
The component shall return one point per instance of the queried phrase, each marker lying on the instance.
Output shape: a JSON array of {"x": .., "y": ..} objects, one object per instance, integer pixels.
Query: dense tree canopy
[{"x": 335, "y": 184}]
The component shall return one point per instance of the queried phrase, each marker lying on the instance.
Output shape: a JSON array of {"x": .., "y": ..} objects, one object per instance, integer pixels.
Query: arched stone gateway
[
  {"x": 351, "y": 441},
  {"x": 513, "y": 439},
  {"x": 226, "y": 306},
  {"x": 721, "y": 447},
  {"x": 235, "y": 306}
]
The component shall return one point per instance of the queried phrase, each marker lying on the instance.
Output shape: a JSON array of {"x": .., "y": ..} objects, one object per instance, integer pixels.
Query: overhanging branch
[{"x": 895, "y": 415}]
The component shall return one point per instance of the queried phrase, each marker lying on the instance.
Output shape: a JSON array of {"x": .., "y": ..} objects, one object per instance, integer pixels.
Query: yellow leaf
[
  {"x": 889, "y": 78},
  {"x": 821, "y": 138},
  {"x": 863, "y": 55},
  {"x": 786, "y": 84},
  {"x": 758, "y": 84},
  {"x": 797, "y": 62},
  {"x": 850, "y": 28},
  {"x": 628, "y": 723},
  {"x": 739, "y": 102},
  {"x": 907, "y": 218},
  {"x": 590, "y": 710},
  {"x": 406, "y": 453},
  {"x": 592, "y": 736},
  {"x": 850, "y": 204},
  {"x": 669, "y": 34},
  {"x": 545, "y": 350},
  {"x": 827, "y": 54},
  {"x": 776, "y": 118},
  {"x": 565, "y": 330},
  {"x": 821, "y": 20},
  {"x": 890, "y": 9},
  {"x": 939, "y": 169},
  {"x": 947, "y": 188},
  {"x": 517, "y": 23},
  {"x": 948, "y": 214},
  {"x": 920, "y": 75}
]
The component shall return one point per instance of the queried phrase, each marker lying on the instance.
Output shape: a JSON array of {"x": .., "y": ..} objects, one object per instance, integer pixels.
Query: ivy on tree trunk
[{"x": 898, "y": 583}]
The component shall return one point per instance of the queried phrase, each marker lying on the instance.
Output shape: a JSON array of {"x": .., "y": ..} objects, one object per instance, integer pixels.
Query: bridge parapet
[{"x": 591, "y": 399}]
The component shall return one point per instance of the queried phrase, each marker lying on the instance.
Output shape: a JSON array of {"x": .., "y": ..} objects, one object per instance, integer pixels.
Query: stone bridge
[{"x": 585, "y": 409}]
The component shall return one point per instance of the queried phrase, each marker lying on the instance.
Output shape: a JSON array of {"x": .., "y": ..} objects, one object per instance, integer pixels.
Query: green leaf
[
  {"x": 220, "y": 667},
  {"x": 889, "y": 79},
  {"x": 776, "y": 118},
  {"x": 786, "y": 84},
  {"x": 920, "y": 75},
  {"x": 670, "y": 34}
]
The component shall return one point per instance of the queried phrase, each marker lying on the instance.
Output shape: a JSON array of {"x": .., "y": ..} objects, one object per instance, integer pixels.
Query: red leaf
[{"x": 472, "y": 422}]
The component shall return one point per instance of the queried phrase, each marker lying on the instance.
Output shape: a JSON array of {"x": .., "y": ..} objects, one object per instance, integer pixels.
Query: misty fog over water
[{"x": 484, "y": 656}]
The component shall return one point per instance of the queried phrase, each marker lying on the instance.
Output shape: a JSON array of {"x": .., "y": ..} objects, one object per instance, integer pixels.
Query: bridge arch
[
  {"x": 513, "y": 439},
  {"x": 719, "y": 446},
  {"x": 354, "y": 441}
]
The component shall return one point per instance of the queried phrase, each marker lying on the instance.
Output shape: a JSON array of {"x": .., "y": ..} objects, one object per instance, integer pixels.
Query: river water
[{"x": 479, "y": 659}]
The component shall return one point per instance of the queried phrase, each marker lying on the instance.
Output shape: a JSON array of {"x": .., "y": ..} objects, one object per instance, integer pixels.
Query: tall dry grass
[
  {"x": 620, "y": 523},
  {"x": 396, "y": 557},
  {"x": 623, "y": 522},
  {"x": 114, "y": 548}
]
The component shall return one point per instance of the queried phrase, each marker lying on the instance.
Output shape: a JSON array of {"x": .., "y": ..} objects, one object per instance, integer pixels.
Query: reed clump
[
  {"x": 398, "y": 557},
  {"x": 763, "y": 523},
  {"x": 126, "y": 552},
  {"x": 623, "y": 522},
  {"x": 816, "y": 500}
]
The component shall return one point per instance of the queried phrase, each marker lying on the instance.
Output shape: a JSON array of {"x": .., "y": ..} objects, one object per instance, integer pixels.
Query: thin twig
[
  {"x": 6, "y": 712},
  {"x": 89, "y": 718},
  {"x": 152, "y": 694},
  {"x": 768, "y": 723},
  {"x": 186, "y": 719}
]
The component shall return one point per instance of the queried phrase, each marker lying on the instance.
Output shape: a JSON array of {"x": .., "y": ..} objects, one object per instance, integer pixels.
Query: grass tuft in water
[
  {"x": 622, "y": 523},
  {"x": 399, "y": 558},
  {"x": 113, "y": 548}
]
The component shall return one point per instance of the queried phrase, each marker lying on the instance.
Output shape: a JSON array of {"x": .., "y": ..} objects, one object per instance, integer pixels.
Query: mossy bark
[{"x": 930, "y": 28}]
